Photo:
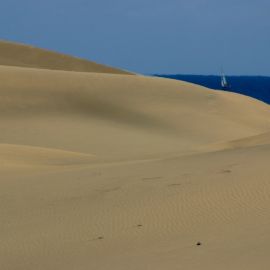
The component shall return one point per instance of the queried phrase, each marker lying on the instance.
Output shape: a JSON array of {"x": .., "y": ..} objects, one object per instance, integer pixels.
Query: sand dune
[
  {"x": 252, "y": 141},
  {"x": 21, "y": 155},
  {"x": 13, "y": 54},
  {"x": 116, "y": 171}
]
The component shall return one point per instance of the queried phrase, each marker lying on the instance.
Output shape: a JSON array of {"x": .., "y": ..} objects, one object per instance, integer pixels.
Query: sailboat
[{"x": 224, "y": 83}]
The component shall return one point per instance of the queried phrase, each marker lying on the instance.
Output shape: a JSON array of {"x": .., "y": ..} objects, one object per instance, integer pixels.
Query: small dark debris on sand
[
  {"x": 199, "y": 244},
  {"x": 139, "y": 225},
  {"x": 226, "y": 171}
]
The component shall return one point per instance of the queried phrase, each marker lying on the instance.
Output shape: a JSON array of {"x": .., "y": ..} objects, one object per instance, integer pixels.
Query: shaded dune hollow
[{"x": 104, "y": 169}]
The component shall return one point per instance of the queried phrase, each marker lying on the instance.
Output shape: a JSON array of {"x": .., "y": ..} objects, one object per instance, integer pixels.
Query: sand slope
[
  {"x": 13, "y": 54},
  {"x": 113, "y": 171}
]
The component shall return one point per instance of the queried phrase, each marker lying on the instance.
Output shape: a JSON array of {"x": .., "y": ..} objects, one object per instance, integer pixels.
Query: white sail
[{"x": 224, "y": 81}]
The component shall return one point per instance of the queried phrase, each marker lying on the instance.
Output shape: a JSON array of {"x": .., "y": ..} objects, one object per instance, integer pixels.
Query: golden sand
[{"x": 105, "y": 170}]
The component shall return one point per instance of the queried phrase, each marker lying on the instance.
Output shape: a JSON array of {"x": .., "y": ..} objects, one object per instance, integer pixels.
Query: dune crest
[
  {"x": 23, "y": 155},
  {"x": 14, "y": 54}
]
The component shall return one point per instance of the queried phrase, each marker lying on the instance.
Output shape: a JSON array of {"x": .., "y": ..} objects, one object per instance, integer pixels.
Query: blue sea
[{"x": 254, "y": 86}]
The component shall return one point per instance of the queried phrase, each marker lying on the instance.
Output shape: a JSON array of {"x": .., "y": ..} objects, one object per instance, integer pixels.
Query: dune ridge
[
  {"x": 115, "y": 171},
  {"x": 23, "y": 155},
  {"x": 14, "y": 54}
]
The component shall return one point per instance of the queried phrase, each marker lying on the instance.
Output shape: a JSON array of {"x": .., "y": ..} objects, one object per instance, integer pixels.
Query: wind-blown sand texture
[{"x": 103, "y": 170}]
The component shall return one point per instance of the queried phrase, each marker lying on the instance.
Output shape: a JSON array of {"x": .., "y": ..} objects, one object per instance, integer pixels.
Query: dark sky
[{"x": 148, "y": 36}]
